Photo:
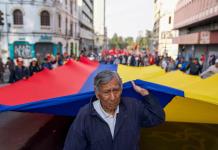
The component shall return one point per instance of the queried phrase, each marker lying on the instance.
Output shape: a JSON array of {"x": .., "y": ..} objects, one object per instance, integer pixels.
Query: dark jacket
[
  {"x": 20, "y": 73},
  {"x": 195, "y": 69},
  {"x": 34, "y": 69},
  {"x": 90, "y": 132}
]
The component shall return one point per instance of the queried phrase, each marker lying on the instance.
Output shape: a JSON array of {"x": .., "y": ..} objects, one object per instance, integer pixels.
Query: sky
[{"x": 128, "y": 17}]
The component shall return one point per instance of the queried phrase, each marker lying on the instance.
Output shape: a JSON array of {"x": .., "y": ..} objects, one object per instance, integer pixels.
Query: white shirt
[
  {"x": 210, "y": 71},
  {"x": 108, "y": 118}
]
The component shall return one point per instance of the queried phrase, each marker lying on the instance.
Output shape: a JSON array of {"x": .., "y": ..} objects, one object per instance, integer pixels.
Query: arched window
[
  {"x": 45, "y": 18},
  {"x": 18, "y": 17}
]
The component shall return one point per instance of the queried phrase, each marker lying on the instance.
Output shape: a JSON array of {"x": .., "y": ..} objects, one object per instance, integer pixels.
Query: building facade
[
  {"x": 163, "y": 27},
  {"x": 33, "y": 28},
  {"x": 100, "y": 39},
  {"x": 156, "y": 24},
  {"x": 86, "y": 15},
  {"x": 197, "y": 22}
]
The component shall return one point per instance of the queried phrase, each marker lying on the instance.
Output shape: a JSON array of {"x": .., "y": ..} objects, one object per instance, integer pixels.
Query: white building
[
  {"x": 163, "y": 27},
  {"x": 99, "y": 24},
  {"x": 86, "y": 15},
  {"x": 33, "y": 28}
]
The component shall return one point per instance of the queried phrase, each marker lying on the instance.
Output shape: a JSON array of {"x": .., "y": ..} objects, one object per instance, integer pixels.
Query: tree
[
  {"x": 129, "y": 41},
  {"x": 117, "y": 42},
  {"x": 144, "y": 41},
  {"x": 114, "y": 42}
]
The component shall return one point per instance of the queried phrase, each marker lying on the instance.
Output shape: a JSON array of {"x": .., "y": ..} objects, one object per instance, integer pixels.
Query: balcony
[
  {"x": 87, "y": 11},
  {"x": 206, "y": 37},
  {"x": 90, "y": 5},
  {"x": 195, "y": 12}
]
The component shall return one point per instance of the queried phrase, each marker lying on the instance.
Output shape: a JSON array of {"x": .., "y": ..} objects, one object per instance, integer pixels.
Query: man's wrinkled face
[{"x": 109, "y": 95}]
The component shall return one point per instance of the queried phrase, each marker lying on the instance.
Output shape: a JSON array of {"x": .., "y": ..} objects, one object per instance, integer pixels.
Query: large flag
[{"x": 64, "y": 90}]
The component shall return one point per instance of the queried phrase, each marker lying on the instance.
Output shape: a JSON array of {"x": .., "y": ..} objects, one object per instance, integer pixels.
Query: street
[{"x": 18, "y": 128}]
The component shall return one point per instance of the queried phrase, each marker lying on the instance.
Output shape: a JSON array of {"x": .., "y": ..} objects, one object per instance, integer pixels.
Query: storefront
[
  {"x": 28, "y": 47},
  {"x": 41, "y": 49}
]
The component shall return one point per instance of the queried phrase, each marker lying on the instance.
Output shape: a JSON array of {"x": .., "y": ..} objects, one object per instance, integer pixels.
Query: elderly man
[{"x": 113, "y": 122}]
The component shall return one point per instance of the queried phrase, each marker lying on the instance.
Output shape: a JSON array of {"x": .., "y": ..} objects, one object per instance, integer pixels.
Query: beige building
[
  {"x": 163, "y": 27},
  {"x": 99, "y": 25},
  {"x": 34, "y": 28}
]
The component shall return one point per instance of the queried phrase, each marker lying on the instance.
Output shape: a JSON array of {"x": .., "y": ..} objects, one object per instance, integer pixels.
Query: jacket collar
[{"x": 121, "y": 116}]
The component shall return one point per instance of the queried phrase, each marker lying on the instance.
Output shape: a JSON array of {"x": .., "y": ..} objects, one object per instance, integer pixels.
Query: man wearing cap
[
  {"x": 210, "y": 71},
  {"x": 112, "y": 122}
]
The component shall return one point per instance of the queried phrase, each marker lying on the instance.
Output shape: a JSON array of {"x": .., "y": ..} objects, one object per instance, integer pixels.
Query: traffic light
[{"x": 1, "y": 18}]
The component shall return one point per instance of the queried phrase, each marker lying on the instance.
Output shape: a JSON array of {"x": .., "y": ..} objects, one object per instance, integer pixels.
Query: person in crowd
[
  {"x": 182, "y": 65},
  {"x": 210, "y": 71},
  {"x": 124, "y": 59},
  {"x": 212, "y": 60},
  {"x": 164, "y": 63},
  {"x": 202, "y": 59},
  {"x": 195, "y": 67},
  {"x": 171, "y": 65},
  {"x": 59, "y": 59},
  {"x": 66, "y": 57},
  {"x": 2, "y": 68},
  {"x": 34, "y": 67},
  {"x": 151, "y": 59},
  {"x": 116, "y": 60},
  {"x": 132, "y": 60},
  {"x": 21, "y": 72},
  {"x": 145, "y": 60},
  {"x": 47, "y": 63},
  {"x": 112, "y": 122},
  {"x": 11, "y": 66}
]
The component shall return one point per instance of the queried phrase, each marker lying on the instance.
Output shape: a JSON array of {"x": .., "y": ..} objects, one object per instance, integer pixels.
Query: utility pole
[{"x": 105, "y": 29}]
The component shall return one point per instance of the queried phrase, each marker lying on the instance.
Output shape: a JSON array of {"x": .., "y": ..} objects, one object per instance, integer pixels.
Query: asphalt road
[
  {"x": 16, "y": 128},
  {"x": 169, "y": 136}
]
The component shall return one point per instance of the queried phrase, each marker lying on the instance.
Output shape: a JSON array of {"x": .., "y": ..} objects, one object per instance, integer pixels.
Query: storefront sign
[
  {"x": 45, "y": 38},
  {"x": 205, "y": 37},
  {"x": 22, "y": 39}
]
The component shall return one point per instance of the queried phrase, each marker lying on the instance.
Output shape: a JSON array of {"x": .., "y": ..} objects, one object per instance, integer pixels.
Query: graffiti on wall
[{"x": 23, "y": 51}]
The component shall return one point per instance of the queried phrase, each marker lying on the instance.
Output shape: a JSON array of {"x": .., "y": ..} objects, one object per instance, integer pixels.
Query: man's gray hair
[{"x": 106, "y": 76}]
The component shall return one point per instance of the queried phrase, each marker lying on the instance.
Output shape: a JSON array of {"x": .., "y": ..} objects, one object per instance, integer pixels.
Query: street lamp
[{"x": 165, "y": 43}]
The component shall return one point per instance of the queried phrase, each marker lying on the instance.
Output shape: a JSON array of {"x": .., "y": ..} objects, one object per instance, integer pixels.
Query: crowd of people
[
  {"x": 16, "y": 70},
  {"x": 194, "y": 66}
]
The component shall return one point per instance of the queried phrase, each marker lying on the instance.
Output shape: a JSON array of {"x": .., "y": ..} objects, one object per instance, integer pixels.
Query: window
[
  {"x": 71, "y": 29},
  {"x": 66, "y": 3},
  {"x": 66, "y": 23},
  {"x": 45, "y": 18},
  {"x": 75, "y": 5},
  {"x": 18, "y": 17},
  {"x": 59, "y": 21},
  {"x": 169, "y": 19},
  {"x": 71, "y": 7}
]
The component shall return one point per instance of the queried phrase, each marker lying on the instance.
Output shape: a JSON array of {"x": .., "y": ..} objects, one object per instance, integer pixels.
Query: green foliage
[{"x": 120, "y": 42}]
